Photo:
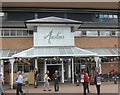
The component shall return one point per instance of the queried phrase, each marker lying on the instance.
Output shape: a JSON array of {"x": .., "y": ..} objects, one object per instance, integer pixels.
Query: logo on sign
[{"x": 51, "y": 36}]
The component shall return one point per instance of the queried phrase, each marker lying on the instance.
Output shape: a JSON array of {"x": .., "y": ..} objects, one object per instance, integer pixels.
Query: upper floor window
[
  {"x": 1, "y": 14},
  {"x": 16, "y": 33},
  {"x": 84, "y": 33},
  {"x": 102, "y": 33},
  {"x": 92, "y": 33},
  {"x": 106, "y": 16}
]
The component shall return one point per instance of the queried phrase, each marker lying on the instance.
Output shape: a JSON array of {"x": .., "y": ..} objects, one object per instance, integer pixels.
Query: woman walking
[{"x": 46, "y": 82}]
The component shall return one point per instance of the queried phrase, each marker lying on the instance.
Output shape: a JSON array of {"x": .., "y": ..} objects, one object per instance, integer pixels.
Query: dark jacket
[{"x": 97, "y": 79}]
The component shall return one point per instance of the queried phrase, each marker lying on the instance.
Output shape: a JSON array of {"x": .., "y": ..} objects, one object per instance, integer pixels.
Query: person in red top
[{"x": 85, "y": 81}]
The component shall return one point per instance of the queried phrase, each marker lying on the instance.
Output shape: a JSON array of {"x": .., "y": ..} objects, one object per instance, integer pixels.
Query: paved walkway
[{"x": 70, "y": 88}]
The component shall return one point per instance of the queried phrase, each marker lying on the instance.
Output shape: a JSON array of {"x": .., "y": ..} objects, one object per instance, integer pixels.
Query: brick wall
[
  {"x": 109, "y": 66},
  {"x": 17, "y": 43},
  {"x": 90, "y": 42}
]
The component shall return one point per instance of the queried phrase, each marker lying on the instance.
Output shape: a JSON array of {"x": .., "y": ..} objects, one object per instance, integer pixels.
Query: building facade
[{"x": 98, "y": 33}]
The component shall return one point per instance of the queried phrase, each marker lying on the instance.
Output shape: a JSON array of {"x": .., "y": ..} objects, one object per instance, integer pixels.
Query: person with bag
[
  {"x": 85, "y": 81},
  {"x": 98, "y": 82},
  {"x": 46, "y": 82},
  {"x": 36, "y": 78}
]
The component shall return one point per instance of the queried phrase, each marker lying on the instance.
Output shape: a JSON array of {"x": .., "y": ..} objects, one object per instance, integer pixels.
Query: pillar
[
  {"x": 62, "y": 72},
  {"x": 45, "y": 66},
  {"x": 36, "y": 63},
  {"x": 98, "y": 64},
  {"x": 11, "y": 77},
  {"x": 72, "y": 70},
  {"x": 69, "y": 71},
  {"x": 97, "y": 61},
  {"x": 2, "y": 67}
]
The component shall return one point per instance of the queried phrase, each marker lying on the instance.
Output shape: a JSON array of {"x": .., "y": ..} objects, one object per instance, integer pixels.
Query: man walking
[
  {"x": 19, "y": 81},
  {"x": 56, "y": 78}
]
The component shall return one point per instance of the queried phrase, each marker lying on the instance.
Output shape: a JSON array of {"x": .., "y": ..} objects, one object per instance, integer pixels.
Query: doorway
[{"x": 52, "y": 68}]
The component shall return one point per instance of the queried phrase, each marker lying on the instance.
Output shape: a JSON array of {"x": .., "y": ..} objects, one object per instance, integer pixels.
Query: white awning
[
  {"x": 7, "y": 53},
  {"x": 54, "y": 51},
  {"x": 105, "y": 51}
]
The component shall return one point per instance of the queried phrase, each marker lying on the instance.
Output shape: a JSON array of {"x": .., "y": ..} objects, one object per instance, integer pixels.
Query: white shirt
[{"x": 19, "y": 79}]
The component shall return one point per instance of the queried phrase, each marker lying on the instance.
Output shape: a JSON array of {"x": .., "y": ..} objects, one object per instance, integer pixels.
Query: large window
[
  {"x": 16, "y": 33},
  {"x": 101, "y": 33},
  {"x": 92, "y": 33},
  {"x": 107, "y": 16}
]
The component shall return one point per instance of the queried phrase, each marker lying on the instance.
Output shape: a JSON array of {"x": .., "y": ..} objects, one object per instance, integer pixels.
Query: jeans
[
  {"x": 19, "y": 89},
  {"x": 85, "y": 87},
  {"x": 98, "y": 89},
  {"x": 56, "y": 85},
  {"x": 46, "y": 85}
]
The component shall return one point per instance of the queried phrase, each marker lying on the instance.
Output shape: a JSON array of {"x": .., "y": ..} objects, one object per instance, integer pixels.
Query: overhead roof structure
[
  {"x": 102, "y": 52},
  {"x": 53, "y": 19},
  {"x": 7, "y": 53},
  {"x": 54, "y": 52}
]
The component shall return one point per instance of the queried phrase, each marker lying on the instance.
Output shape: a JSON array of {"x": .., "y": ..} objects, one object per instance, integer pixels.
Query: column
[
  {"x": 2, "y": 67},
  {"x": 100, "y": 68},
  {"x": 72, "y": 70},
  {"x": 45, "y": 66},
  {"x": 36, "y": 63},
  {"x": 98, "y": 64},
  {"x": 11, "y": 77},
  {"x": 62, "y": 72},
  {"x": 96, "y": 60},
  {"x": 69, "y": 71}
]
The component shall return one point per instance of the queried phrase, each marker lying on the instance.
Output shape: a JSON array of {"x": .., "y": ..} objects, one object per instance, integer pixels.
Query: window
[
  {"x": 19, "y": 32},
  {"x": 113, "y": 33},
  {"x": 117, "y": 33},
  {"x": 105, "y": 33},
  {"x": 13, "y": 32},
  {"x": 1, "y": 14},
  {"x": 16, "y": 33},
  {"x": 2, "y": 33},
  {"x": 25, "y": 33},
  {"x": 30, "y": 33},
  {"x": 106, "y": 16},
  {"x": 84, "y": 33},
  {"x": 92, "y": 33},
  {"x": 78, "y": 33},
  {"x": 6, "y": 32},
  {"x": 115, "y": 16}
]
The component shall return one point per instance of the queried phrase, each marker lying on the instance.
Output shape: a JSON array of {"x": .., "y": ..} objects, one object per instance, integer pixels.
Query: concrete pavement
[{"x": 69, "y": 88}]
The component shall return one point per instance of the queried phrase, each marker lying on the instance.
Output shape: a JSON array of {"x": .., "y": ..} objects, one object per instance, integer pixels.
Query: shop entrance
[{"x": 52, "y": 68}]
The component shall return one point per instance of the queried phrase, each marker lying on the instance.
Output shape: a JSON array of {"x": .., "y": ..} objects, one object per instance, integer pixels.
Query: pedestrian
[
  {"x": 1, "y": 83},
  {"x": 85, "y": 81},
  {"x": 98, "y": 82},
  {"x": 77, "y": 78},
  {"x": 88, "y": 80},
  {"x": 46, "y": 82},
  {"x": 56, "y": 78},
  {"x": 19, "y": 82},
  {"x": 36, "y": 77}
]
